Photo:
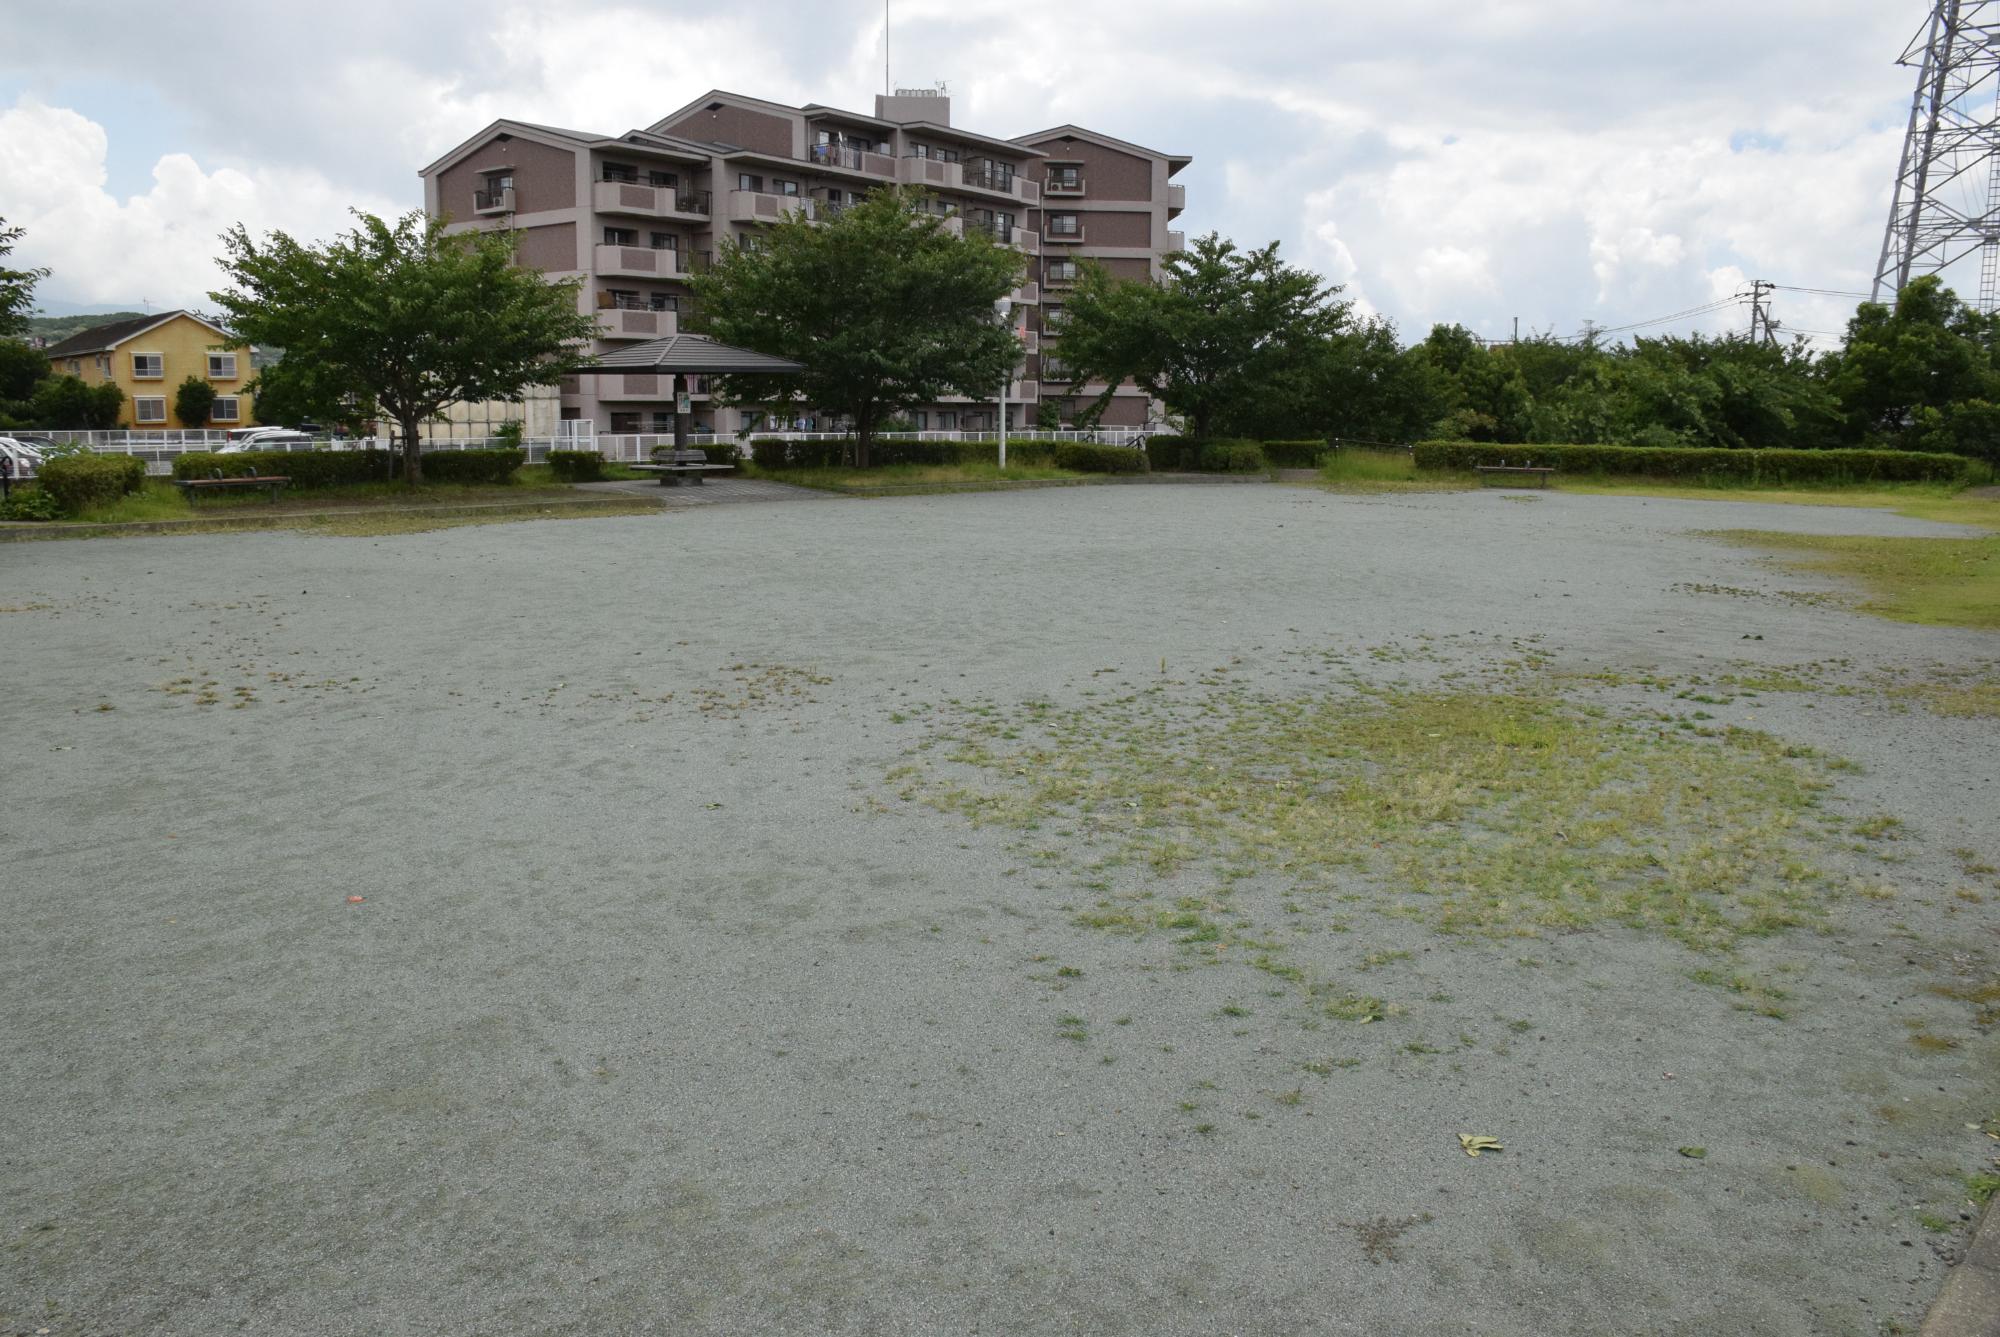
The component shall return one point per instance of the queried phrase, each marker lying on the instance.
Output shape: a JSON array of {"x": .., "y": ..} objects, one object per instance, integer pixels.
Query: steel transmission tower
[{"x": 1947, "y": 201}]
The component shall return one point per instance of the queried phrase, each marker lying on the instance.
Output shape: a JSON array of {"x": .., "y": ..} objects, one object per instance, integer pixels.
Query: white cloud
[{"x": 161, "y": 245}]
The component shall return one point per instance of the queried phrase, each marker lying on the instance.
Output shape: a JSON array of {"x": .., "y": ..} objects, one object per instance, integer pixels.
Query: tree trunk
[
  {"x": 864, "y": 432},
  {"x": 413, "y": 450}
]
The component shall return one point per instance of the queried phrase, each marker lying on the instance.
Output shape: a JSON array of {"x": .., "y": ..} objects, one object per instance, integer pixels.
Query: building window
[
  {"x": 664, "y": 179},
  {"x": 618, "y": 171},
  {"x": 103, "y": 361},
  {"x": 922, "y": 420},
  {"x": 492, "y": 193},
  {"x": 149, "y": 408},
  {"x": 222, "y": 366},
  {"x": 1062, "y": 271},
  {"x": 745, "y": 181},
  {"x": 75, "y": 367},
  {"x": 1052, "y": 317},
  {"x": 783, "y": 187},
  {"x": 663, "y": 420},
  {"x": 148, "y": 366},
  {"x": 620, "y": 236},
  {"x": 660, "y": 301},
  {"x": 947, "y": 421},
  {"x": 1065, "y": 225},
  {"x": 1065, "y": 176},
  {"x": 624, "y": 422},
  {"x": 224, "y": 409},
  {"x": 666, "y": 241}
]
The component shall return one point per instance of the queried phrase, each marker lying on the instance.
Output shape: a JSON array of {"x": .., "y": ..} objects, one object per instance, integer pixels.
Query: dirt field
[{"x": 1084, "y": 911}]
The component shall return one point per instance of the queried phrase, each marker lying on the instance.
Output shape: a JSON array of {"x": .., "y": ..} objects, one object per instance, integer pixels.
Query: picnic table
[{"x": 671, "y": 464}]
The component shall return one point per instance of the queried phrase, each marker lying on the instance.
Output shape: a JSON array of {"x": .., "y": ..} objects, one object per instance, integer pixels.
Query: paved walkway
[{"x": 707, "y": 493}]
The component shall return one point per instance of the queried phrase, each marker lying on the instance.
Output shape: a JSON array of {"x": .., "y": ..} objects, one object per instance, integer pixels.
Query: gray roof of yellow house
[{"x": 104, "y": 338}]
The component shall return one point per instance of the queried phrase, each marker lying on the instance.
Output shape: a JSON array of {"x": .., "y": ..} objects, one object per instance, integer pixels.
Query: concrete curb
[
  {"x": 26, "y": 532},
  {"x": 1969, "y": 1304},
  {"x": 1029, "y": 484}
]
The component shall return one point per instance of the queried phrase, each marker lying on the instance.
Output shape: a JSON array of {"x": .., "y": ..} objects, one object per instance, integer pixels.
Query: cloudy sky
[{"x": 1468, "y": 160}]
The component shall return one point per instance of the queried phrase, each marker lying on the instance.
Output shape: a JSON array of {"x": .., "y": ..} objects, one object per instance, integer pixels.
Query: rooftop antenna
[{"x": 885, "y": 49}]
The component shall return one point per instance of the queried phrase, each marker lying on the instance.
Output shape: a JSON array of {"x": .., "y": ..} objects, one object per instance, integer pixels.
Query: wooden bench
[
  {"x": 1503, "y": 472},
  {"x": 215, "y": 482},
  {"x": 671, "y": 464}
]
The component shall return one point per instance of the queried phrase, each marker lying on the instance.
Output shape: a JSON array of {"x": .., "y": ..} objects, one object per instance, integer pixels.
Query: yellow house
[{"x": 148, "y": 358}]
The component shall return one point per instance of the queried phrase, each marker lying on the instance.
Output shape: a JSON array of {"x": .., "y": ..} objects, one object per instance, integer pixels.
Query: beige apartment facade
[{"x": 634, "y": 215}]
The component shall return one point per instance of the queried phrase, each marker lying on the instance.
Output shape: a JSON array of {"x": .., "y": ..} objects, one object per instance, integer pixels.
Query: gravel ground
[{"x": 660, "y": 1014}]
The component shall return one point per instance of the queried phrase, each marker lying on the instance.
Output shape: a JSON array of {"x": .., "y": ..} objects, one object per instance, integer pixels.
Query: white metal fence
[{"x": 160, "y": 448}]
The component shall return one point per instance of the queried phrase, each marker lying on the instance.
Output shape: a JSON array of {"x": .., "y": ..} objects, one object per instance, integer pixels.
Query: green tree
[
  {"x": 192, "y": 402},
  {"x": 17, "y": 286},
  {"x": 403, "y": 315},
  {"x": 1218, "y": 331},
  {"x": 1927, "y": 352},
  {"x": 283, "y": 395},
  {"x": 885, "y": 308},
  {"x": 68, "y": 402},
  {"x": 21, "y": 369}
]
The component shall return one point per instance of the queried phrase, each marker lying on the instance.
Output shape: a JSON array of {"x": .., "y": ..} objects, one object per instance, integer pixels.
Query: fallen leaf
[
  {"x": 356, "y": 900},
  {"x": 1474, "y": 1143}
]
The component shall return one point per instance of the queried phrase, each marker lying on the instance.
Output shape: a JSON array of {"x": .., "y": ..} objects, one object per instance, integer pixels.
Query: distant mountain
[{"x": 54, "y": 329}]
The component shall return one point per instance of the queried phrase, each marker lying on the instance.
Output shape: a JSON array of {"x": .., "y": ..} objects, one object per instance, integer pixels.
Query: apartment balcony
[
  {"x": 644, "y": 386},
  {"x": 853, "y": 159},
  {"x": 1027, "y": 293},
  {"x": 625, "y": 197},
  {"x": 1176, "y": 200},
  {"x": 1176, "y": 241},
  {"x": 1024, "y": 390},
  {"x": 638, "y": 262},
  {"x": 1031, "y": 341},
  {"x": 1055, "y": 278},
  {"x": 930, "y": 173},
  {"x": 1071, "y": 237},
  {"x": 1012, "y": 185},
  {"x": 757, "y": 206},
  {"x": 633, "y": 322},
  {"x": 1071, "y": 188},
  {"x": 493, "y": 201}
]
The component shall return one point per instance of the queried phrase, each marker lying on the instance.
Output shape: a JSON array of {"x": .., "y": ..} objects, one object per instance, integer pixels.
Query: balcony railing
[
  {"x": 1069, "y": 235},
  {"x": 625, "y": 197},
  {"x": 986, "y": 178},
  {"x": 852, "y": 157},
  {"x": 1063, "y": 186},
  {"x": 493, "y": 201},
  {"x": 1058, "y": 277},
  {"x": 631, "y": 322},
  {"x": 1177, "y": 241},
  {"x": 757, "y": 206},
  {"x": 640, "y": 261},
  {"x": 934, "y": 172},
  {"x": 1176, "y": 199}
]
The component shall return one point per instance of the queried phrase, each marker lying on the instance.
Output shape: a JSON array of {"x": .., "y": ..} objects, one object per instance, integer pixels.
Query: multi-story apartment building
[{"x": 634, "y": 215}]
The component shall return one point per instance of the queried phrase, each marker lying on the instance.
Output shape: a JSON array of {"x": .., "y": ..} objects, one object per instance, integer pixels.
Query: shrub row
[
  {"x": 473, "y": 466},
  {"x": 306, "y": 468},
  {"x": 76, "y": 481},
  {"x": 1747, "y": 466},
  {"x": 576, "y": 466},
  {"x": 1086, "y": 458},
  {"x": 772, "y": 453},
  {"x": 1221, "y": 456},
  {"x": 1295, "y": 454}
]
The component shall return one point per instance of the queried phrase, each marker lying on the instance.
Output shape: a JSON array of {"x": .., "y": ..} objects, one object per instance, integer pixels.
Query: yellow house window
[
  {"x": 104, "y": 365},
  {"x": 148, "y": 366},
  {"x": 149, "y": 408},
  {"x": 224, "y": 409},
  {"x": 222, "y": 366}
]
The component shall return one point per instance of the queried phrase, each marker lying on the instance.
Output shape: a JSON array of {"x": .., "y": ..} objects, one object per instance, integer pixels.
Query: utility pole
[
  {"x": 1760, "y": 319},
  {"x": 1517, "y": 329},
  {"x": 1589, "y": 331},
  {"x": 1947, "y": 191}
]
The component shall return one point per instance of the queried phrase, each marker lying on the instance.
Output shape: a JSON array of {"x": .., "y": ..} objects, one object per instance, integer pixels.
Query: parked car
[
  {"x": 243, "y": 439},
  {"x": 25, "y": 457}
]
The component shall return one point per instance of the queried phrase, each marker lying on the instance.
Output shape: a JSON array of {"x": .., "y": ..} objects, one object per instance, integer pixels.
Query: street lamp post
[{"x": 1002, "y": 308}]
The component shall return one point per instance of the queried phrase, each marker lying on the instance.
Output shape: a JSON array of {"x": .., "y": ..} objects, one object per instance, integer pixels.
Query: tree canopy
[
  {"x": 1219, "y": 330},
  {"x": 193, "y": 401},
  {"x": 17, "y": 286},
  {"x": 404, "y": 315},
  {"x": 886, "y": 308}
]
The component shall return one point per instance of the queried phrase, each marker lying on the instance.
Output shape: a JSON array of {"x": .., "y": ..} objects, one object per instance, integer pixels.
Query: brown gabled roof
[{"x": 104, "y": 338}]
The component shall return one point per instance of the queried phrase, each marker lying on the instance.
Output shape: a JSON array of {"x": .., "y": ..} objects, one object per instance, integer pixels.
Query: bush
[
  {"x": 1085, "y": 458},
  {"x": 306, "y": 468},
  {"x": 29, "y": 503},
  {"x": 1295, "y": 454},
  {"x": 1167, "y": 453},
  {"x": 771, "y": 453},
  {"x": 726, "y": 452},
  {"x": 194, "y": 402},
  {"x": 576, "y": 466},
  {"x": 1704, "y": 464},
  {"x": 1231, "y": 457},
  {"x": 472, "y": 466},
  {"x": 74, "y": 482}
]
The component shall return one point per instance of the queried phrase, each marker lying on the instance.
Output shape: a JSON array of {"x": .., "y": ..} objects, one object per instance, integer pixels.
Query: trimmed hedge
[
  {"x": 1295, "y": 454},
  {"x": 772, "y": 453},
  {"x": 306, "y": 468},
  {"x": 1220, "y": 455},
  {"x": 1231, "y": 457},
  {"x": 576, "y": 466},
  {"x": 76, "y": 481},
  {"x": 1089, "y": 459},
  {"x": 473, "y": 466},
  {"x": 1745, "y": 466}
]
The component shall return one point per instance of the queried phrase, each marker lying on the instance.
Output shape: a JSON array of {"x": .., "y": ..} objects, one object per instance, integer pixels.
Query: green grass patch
[
  {"x": 1352, "y": 469},
  {"x": 1938, "y": 582},
  {"x": 1494, "y": 813}
]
